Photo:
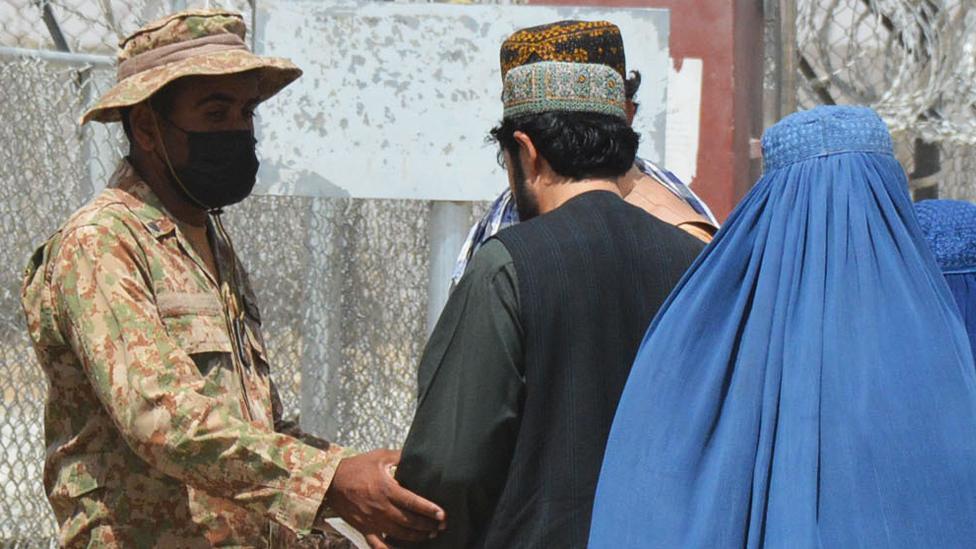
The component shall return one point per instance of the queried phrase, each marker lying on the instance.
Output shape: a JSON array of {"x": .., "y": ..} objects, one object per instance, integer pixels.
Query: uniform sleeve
[
  {"x": 290, "y": 426},
  {"x": 471, "y": 389},
  {"x": 152, "y": 389}
]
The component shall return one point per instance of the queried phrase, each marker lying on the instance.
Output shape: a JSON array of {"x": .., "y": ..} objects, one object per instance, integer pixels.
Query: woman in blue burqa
[
  {"x": 809, "y": 383},
  {"x": 950, "y": 228}
]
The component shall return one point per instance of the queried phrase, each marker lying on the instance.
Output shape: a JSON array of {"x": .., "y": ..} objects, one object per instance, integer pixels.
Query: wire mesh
[
  {"x": 46, "y": 171},
  {"x": 90, "y": 26}
]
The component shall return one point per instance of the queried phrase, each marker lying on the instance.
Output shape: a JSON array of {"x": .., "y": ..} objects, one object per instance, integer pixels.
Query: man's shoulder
[
  {"x": 110, "y": 213},
  {"x": 108, "y": 208},
  {"x": 661, "y": 231},
  {"x": 48, "y": 260},
  {"x": 491, "y": 258},
  {"x": 593, "y": 217},
  {"x": 106, "y": 212}
]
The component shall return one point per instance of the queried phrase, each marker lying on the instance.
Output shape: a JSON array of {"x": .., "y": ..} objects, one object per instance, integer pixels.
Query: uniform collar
[{"x": 140, "y": 199}]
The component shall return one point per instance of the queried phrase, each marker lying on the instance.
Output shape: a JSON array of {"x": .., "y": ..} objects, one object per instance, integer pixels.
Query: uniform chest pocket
[{"x": 196, "y": 321}]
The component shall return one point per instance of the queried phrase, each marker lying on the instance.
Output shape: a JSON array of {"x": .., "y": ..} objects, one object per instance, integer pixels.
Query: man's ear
[
  {"x": 528, "y": 156},
  {"x": 144, "y": 128}
]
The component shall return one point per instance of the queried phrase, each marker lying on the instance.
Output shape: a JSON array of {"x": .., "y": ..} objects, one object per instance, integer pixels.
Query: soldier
[{"x": 163, "y": 426}]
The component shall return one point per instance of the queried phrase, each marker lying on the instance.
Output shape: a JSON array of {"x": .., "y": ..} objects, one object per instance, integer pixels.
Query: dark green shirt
[{"x": 470, "y": 395}]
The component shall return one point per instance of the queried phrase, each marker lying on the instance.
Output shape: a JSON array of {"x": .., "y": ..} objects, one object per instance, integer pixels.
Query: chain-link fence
[
  {"x": 91, "y": 26},
  {"x": 44, "y": 175},
  {"x": 342, "y": 282},
  {"x": 914, "y": 61}
]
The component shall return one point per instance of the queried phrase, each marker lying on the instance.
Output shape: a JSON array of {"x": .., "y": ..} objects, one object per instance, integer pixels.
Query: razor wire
[{"x": 913, "y": 61}]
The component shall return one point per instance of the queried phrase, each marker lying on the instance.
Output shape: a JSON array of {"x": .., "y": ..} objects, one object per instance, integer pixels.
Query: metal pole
[
  {"x": 779, "y": 93},
  {"x": 924, "y": 180},
  {"x": 59, "y": 57},
  {"x": 53, "y": 27},
  {"x": 772, "y": 79},
  {"x": 448, "y": 227},
  {"x": 88, "y": 149},
  {"x": 254, "y": 24},
  {"x": 321, "y": 357},
  {"x": 788, "y": 64}
]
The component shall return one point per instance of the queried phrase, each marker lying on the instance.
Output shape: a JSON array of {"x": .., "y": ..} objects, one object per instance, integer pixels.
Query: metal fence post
[
  {"x": 321, "y": 356},
  {"x": 448, "y": 228},
  {"x": 780, "y": 87}
]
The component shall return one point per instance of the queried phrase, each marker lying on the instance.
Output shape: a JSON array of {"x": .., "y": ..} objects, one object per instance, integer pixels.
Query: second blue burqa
[
  {"x": 949, "y": 227},
  {"x": 809, "y": 384}
]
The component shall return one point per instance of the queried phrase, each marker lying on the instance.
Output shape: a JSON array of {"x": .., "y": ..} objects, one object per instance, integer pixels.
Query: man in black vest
[{"x": 520, "y": 380}]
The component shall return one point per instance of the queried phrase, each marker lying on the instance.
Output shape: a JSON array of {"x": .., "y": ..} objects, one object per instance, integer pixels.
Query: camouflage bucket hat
[{"x": 189, "y": 43}]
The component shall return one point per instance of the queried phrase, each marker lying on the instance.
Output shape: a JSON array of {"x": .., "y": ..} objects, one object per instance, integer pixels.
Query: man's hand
[{"x": 364, "y": 493}]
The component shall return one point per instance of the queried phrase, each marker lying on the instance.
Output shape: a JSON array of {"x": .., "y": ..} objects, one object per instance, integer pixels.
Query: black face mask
[{"x": 221, "y": 169}]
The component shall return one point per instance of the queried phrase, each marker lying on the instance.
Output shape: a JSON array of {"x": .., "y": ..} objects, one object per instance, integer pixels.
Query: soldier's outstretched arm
[
  {"x": 153, "y": 390},
  {"x": 364, "y": 493}
]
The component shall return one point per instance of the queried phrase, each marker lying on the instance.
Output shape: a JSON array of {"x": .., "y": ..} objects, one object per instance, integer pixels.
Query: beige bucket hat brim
[{"x": 275, "y": 74}]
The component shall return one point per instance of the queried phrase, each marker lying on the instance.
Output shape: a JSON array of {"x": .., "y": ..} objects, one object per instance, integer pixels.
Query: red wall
[{"x": 727, "y": 36}]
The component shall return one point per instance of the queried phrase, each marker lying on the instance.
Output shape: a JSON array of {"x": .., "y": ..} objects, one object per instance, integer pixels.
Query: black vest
[{"x": 591, "y": 276}]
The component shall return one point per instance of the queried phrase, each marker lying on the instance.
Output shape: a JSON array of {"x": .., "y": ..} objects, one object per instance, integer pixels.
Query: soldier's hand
[{"x": 364, "y": 493}]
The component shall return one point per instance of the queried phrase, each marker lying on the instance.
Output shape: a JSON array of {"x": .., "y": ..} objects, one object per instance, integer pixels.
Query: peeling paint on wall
[
  {"x": 397, "y": 99},
  {"x": 684, "y": 118}
]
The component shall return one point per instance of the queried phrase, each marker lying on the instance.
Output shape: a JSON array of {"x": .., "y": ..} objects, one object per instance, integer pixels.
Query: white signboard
[{"x": 397, "y": 99}]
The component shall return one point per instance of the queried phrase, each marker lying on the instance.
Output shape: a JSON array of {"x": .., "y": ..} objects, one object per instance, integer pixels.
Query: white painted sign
[
  {"x": 684, "y": 119},
  {"x": 397, "y": 99}
]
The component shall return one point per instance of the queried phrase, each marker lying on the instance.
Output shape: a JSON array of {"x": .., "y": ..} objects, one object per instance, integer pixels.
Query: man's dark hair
[
  {"x": 161, "y": 102},
  {"x": 578, "y": 145}
]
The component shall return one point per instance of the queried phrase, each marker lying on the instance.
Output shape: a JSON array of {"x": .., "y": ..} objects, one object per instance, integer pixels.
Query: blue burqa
[
  {"x": 809, "y": 383},
  {"x": 950, "y": 228}
]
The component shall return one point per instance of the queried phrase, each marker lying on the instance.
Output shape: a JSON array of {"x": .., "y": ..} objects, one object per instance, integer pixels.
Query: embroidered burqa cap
[
  {"x": 950, "y": 228},
  {"x": 188, "y": 43},
  {"x": 809, "y": 383}
]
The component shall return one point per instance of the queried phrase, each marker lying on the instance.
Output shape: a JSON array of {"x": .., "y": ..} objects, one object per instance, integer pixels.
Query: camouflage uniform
[{"x": 160, "y": 431}]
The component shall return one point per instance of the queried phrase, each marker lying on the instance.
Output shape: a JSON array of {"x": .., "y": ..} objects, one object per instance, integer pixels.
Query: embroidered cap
[
  {"x": 554, "y": 86},
  {"x": 596, "y": 42}
]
